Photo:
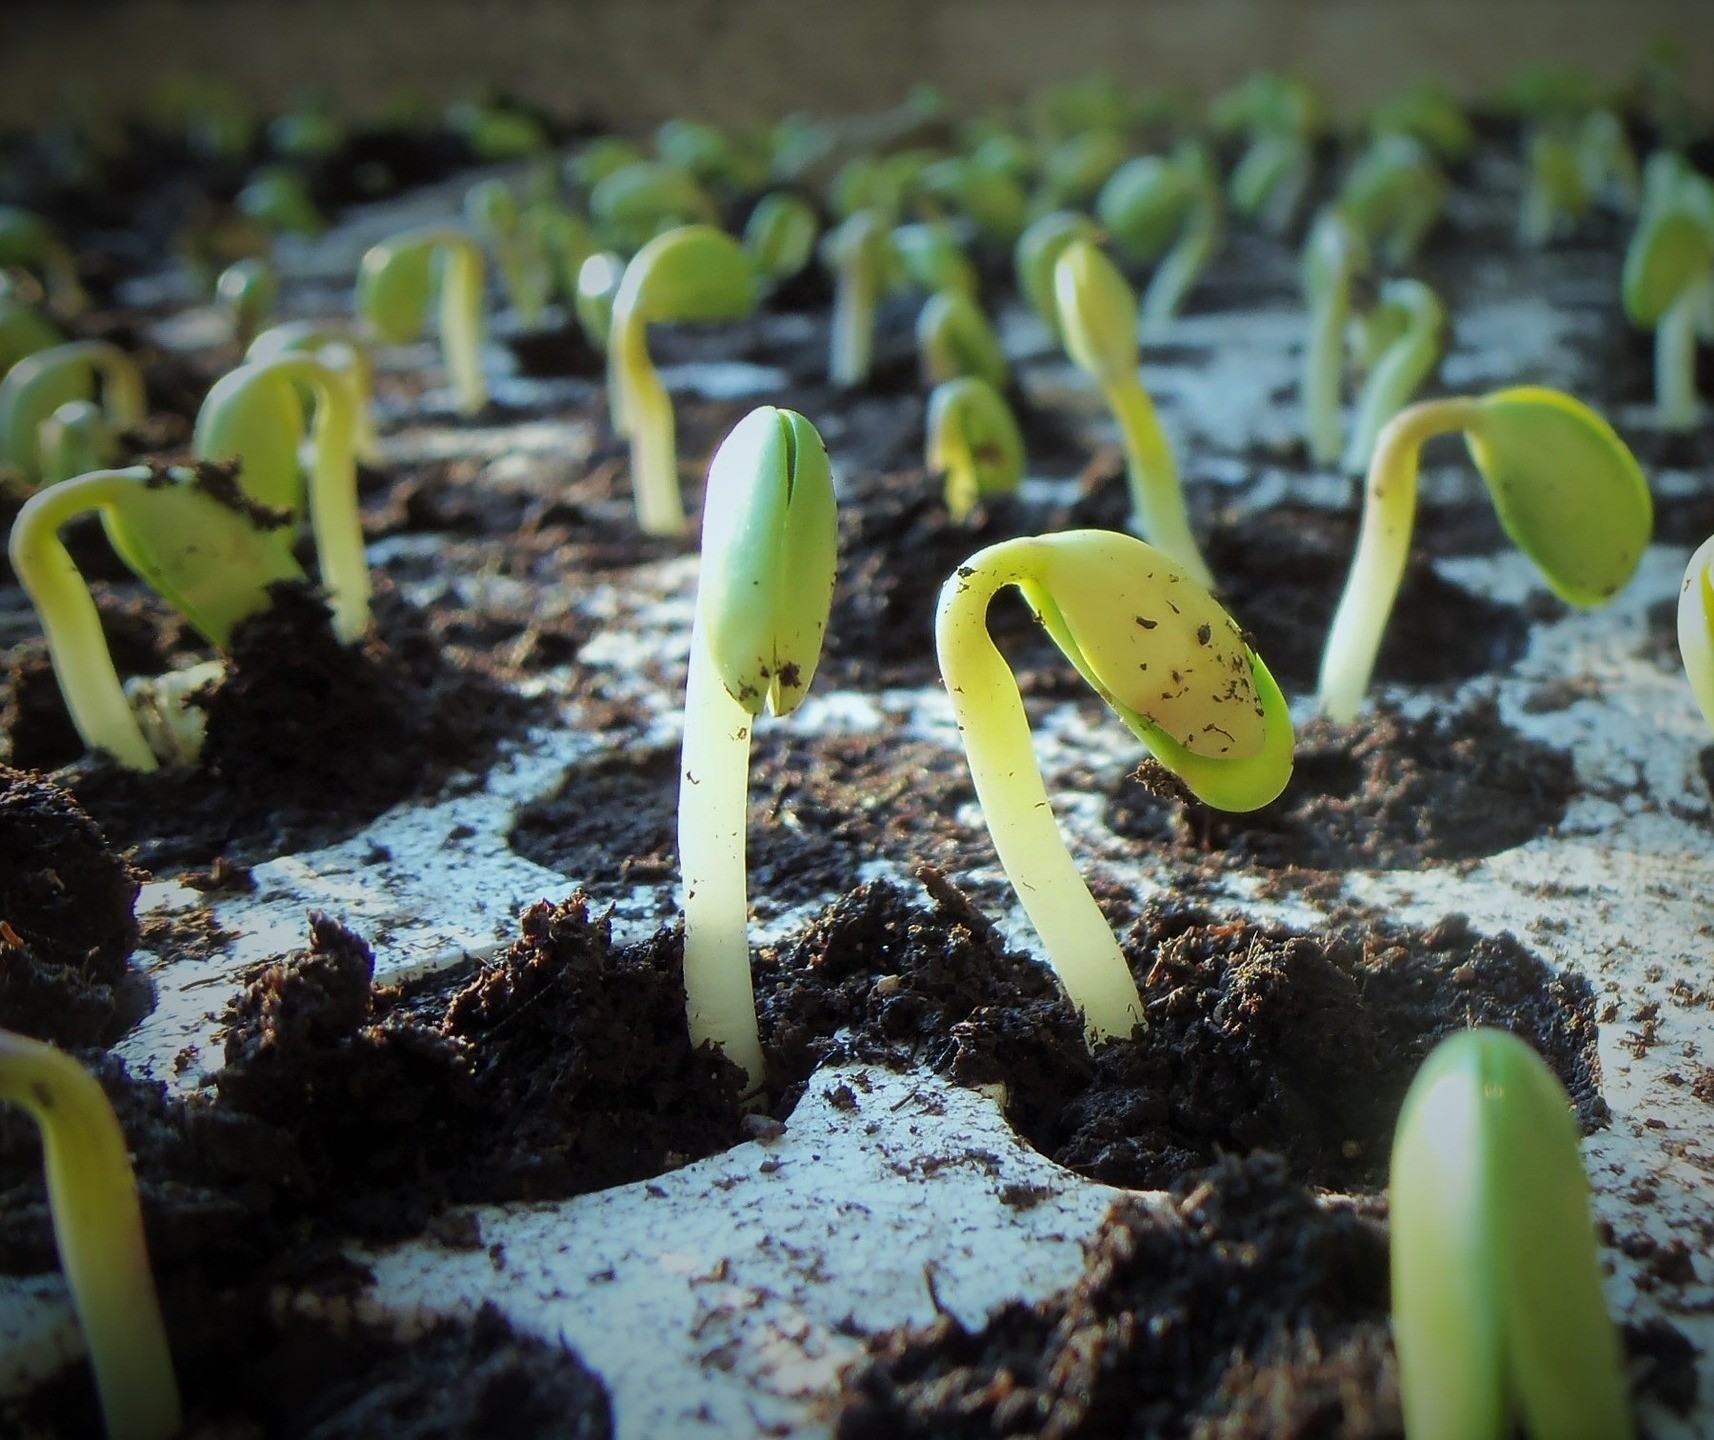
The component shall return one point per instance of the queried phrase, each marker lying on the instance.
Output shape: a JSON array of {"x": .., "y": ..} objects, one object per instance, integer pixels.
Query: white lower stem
[
  {"x": 853, "y": 340},
  {"x": 714, "y": 785},
  {"x": 654, "y": 456},
  {"x": 1675, "y": 359},
  {"x": 1323, "y": 366}
]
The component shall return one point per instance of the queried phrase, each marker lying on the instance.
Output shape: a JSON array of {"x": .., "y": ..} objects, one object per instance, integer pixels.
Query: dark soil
[
  {"x": 67, "y": 916},
  {"x": 1384, "y": 793},
  {"x": 307, "y": 739}
]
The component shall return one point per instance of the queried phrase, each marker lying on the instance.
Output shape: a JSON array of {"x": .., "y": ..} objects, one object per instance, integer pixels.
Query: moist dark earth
[{"x": 1249, "y": 1302}]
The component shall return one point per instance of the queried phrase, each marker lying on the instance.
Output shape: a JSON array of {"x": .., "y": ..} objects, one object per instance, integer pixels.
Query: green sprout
[
  {"x": 1281, "y": 119},
  {"x": 1076, "y": 168},
  {"x": 39, "y": 384},
  {"x": 1070, "y": 107},
  {"x": 1404, "y": 337},
  {"x": 209, "y": 554},
  {"x": 1173, "y": 666},
  {"x": 1608, "y": 163},
  {"x": 1394, "y": 194},
  {"x": 597, "y": 287},
  {"x": 310, "y": 132},
  {"x": 1334, "y": 254},
  {"x": 780, "y": 236},
  {"x": 932, "y": 258},
  {"x": 986, "y": 187},
  {"x": 491, "y": 210},
  {"x": 1498, "y": 1316},
  {"x": 1567, "y": 492},
  {"x": 1165, "y": 209},
  {"x": 494, "y": 133},
  {"x": 255, "y": 415},
  {"x": 23, "y": 330},
  {"x": 1038, "y": 251},
  {"x": 600, "y": 158},
  {"x": 278, "y": 200},
  {"x": 1098, "y": 316},
  {"x": 339, "y": 350},
  {"x": 1429, "y": 115},
  {"x": 769, "y": 535},
  {"x": 562, "y": 239},
  {"x": 697, "y": 272},
  {"x": 1556, "y": 192},
  {"x": 98, "y": 1230},
  {"x": 29, "y": 243},
  {"x": 248, "y": 290},
  {"x": 76, "y": 438},
  {"x": 955, "y": 338},
  {"x": 394, "y": 283},
  {"x": 645, "y": 199},
  {"x": 708, "y": 155},
  {"x": 1696, "y": 627},
  {"x": 859, "y": 251},
  {"x": 974, "y": 441},
  {"x": 1668, "y": 283}
]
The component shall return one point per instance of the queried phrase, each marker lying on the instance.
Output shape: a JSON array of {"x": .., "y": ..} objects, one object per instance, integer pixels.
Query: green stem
[
  {"x": 1402, "y": 367},
  {"x": 70, "y": 621},
  {"x": 461, "y": 322},
  {"x": 1675, "y": 358},
  {"x": 98, "y": 1227},
  {"x": 996, "y": 733},
  {"x": 1186, "y": 260},
  {"x": 714, "y": 784},
  {"x": 1383, "y": 545},
  {"x": 654, "y": 452},
  {"x": 1323, "y": 366},
  {"x": 853, "y": 340},
  {"x": 1157, "y": 497}
]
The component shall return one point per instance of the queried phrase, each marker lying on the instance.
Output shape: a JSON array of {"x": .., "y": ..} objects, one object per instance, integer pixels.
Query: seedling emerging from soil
[
  {"x": 1567, "y": 491},
  {"x": 1038, "y": 251},
  {"x": 1169, "y": 209},
  {"x": 932, "y": 258},
  {"x": 1075, "y": 169},
  {"x": 247, "y": 290},
  {"x": 780, "y": 236},
  {"x": 974, "y": 440},
  {"x": 597, "y": 286},
  {"x": 395, "y": 282},
  {"x": 23, "y": 330},
  {"x": 1174, "y": 667},
  {"x": 860, "y": 253},
  {"x": 1669, "y": 284},
  {"x": 1404, "y": 337},
  {"x": 633, "y": 205},
  {"x": 28, "y": 242},
  {"x": 77, "y": 438},
  {"x": 277, "y": 199},
  {"x": 491, "y": 210},
  {"x": 696, "y": 272},
  {"x": 1498, "y": 1316},
  {"x": 210, "y": 558},
  {"x": 955, "y": 338},
  {"x": 1282, "y": 118},
  {"x": 1556, "y": 195},
  {"x": 986, "y": 188},
  {"x": 1427, "y": 114},
  {"x": 1098, "y": 315},
  {"x": 337, "y": 349},
  {"x": 1394, "y": 195},
  {"x": 768, "y": 552},
  {"x": 98, "y": 1229},
  {"x": 600, "y": 158},
  {"x": 1696, "y": 627},
  {"x": 40, "y": 383},
  {"x": 1333, "y": 256},
  {"x": 255, "y": 415}
]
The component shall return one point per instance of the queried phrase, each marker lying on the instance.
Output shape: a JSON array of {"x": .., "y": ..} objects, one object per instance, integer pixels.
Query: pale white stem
[
  {"x": 714, "y": 785},
  {"x": 654, "y": 453},
  {"x": 1383, "y": 546},
  {"x": 70, "y": 621},
  {"x": 1157, "y": 497},
  {"x": 1177, "y": 272},
  {"x": 461, "y": 324},
  {"x": 1675, "y": 359},
  {"x": 1323, "y": 358},
  {"x": 1696, "y": 628},
  {"x": 853, "y": 339},
  {"x": 1078, "y": 940}
]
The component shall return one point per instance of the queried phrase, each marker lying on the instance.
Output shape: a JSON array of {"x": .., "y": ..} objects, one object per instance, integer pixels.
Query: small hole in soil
[{"x": 1384, "y": 793}]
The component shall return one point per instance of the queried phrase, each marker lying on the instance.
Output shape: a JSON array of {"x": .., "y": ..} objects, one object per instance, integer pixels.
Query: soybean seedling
[
  {"x": 394, "y": 284},
  {"x": 1498, "y": 1316},
  {"x": 40, "y": 383},
  {"x": 769, "y": 534},
  {"x": 1404, "y": 337},
  {"x": 780, "y": 236},
  {"x": 1333, "y": 256},
  {"x": 491, "y": 210},
  {"x": 23, "y": 330},
  {"x": 1556, "y": 193},
  {"x": 98, "y": 1230},
  {"x": 1567, "y": 492},
  {"x": 1098, "y": 318},
  {"x": 248, "y": 290},
  {"x": 255, "y": 415},
  {"x": 1427, "y": 114},
  {"x": 860, "y": 253},
  {"x": 597, "y": 286},
  {"x": 1668, "y": 283},
  {"x": 933, "y": 259},
  {"x": 1696, "y": 627},
  {"x": 647, "y": 198},
  {"x": 1038, "y": 251},
  {"x": 1174, "y": 667},
  {"x": 1394, "y": 194},
  {"x": 76, "y": 438},
  {"x": 339, "y": 350},
  {"x": 1281, "y": 119},
  {"x": 986, "y": 187},
  {"x": 696, "y": 272},
  {"x": 1165, "y": 209},
  {"x": 203, "y": 547},
  {"x": 28, "y": 242},
  {"x": 1076, "y": 168},
  {"x": 278, "y": 200},
  {"x": 974, "y": 440},
  {"x": 955, "y": 338}
]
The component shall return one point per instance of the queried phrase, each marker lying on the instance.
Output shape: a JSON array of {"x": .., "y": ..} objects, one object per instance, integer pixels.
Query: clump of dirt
[
  {"x": 67, "y": 916},
  {"x": 1384, "y": 793},
  {"x": 1240, "y": 1308},
  {"x": 1255, "y": 1037},
  {"x": 819, "y": 807},
  {"x": 308, "y": 738}
]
